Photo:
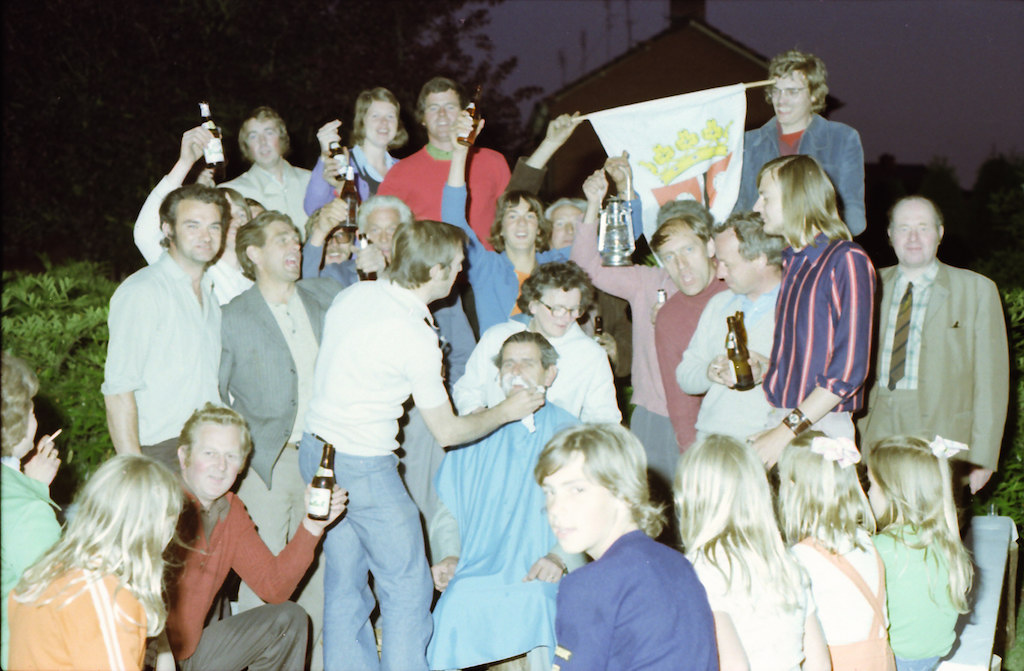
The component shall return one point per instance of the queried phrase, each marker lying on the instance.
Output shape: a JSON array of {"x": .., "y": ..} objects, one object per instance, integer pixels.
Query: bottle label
[
  {"x": 214, "y": 151},
  {"x": 319, "y": 502},
  {"x": 204, "y": 110}
]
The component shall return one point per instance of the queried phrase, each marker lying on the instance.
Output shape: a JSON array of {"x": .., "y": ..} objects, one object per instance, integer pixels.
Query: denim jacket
[{"x": 837, "y": 148}]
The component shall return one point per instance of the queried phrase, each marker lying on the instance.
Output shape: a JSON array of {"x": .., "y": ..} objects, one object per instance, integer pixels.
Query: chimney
[{"x": 681, "y": 11}]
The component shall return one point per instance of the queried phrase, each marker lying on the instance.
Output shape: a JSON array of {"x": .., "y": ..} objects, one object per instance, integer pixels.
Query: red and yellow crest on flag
[{"x": 682, "y": 147}]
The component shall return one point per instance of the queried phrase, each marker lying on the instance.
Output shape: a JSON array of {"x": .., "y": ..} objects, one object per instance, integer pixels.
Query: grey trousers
[{"x": 268, "y": 638}]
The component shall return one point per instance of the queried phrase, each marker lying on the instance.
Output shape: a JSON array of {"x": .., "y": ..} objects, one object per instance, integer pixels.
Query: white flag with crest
[{"x": 683, "y": 147}]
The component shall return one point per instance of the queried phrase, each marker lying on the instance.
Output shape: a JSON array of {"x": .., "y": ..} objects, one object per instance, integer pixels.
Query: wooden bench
[{"x": 992, "y": 542}]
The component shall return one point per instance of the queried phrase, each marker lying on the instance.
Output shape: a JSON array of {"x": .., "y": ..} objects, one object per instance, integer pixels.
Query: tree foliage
[
  {"x": 98, "y": 94},
  {"x": 56, "y": 321}
]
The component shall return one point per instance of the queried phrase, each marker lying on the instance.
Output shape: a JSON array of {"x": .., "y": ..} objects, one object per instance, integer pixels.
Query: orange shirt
[
  {"x": 102, "y": 627},
  {"x": 522, "y": 278}
]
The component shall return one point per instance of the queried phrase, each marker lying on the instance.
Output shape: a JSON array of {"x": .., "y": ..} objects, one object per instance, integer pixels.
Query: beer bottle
[
  {"x": 350, "y": 194},
  {"x": 598, "y": 325},
  {"x": 736, "y": 350},
  {"x": 213, "y": 152},
  {"x": 468, "y": 140},
  {"x": 323, "y": 486},
  {"x": 361, "y": 243},
  {"x": 337, "y": 152},
  {"x": 662, "y": 296}
]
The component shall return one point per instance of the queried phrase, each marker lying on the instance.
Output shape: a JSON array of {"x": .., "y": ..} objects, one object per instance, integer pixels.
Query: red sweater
[
  {"x": 419, "y": 181},
  {"x": 675, "y": 324},
  {"x": 234, "y": 544}
]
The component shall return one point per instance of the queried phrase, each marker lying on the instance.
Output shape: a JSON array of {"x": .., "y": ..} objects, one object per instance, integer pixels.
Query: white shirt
[
  {"x": 227, "y": 280},
  {"x": 583, "y": 387},
  {"x": 378, "y": 348},
  {"x": 164, "y": 346},
  {"x": 772, "y": 637},
  {"x": 724, "y": 410},
  {"x": 285, "y": 196}
]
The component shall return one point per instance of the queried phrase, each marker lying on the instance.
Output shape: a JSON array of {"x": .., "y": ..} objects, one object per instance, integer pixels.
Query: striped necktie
[{"x": 898, "y": 360}]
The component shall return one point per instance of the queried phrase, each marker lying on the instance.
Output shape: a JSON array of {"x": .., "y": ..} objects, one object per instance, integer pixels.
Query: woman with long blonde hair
[
  {"x": 764, "y": 617},
  {"x": 94, "y": 597},
  {"x": 928, "y": 570},
  {"x": 825, "y": 517}
]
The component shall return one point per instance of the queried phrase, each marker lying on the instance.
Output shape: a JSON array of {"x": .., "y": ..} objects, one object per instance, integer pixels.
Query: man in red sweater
[
  {"x": 219, "y": 536},
  {"x": 419, "y": 179}
]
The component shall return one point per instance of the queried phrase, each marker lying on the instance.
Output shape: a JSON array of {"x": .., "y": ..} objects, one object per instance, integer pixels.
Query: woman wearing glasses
[{"x": 552, "y": 298}]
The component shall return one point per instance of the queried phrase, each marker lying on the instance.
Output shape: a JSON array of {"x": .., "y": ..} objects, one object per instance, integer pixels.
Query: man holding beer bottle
[{"x": 750, "y": 262}]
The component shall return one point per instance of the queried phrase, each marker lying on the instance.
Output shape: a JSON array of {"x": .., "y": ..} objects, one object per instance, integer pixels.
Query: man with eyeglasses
[
  {"x": 797, "y": 96},
  {"x": 551, "y": 299},
  {"x": 273, "y": 181}
]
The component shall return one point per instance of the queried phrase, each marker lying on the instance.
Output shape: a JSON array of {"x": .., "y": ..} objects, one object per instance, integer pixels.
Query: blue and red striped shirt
[{"x": 823, "y": 322}]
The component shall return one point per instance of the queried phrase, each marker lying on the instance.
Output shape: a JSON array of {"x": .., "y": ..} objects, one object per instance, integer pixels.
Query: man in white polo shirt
[{"x": 379, "y": 347}]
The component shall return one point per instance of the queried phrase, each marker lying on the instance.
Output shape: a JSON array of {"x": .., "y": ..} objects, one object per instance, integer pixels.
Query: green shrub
[
  {"x": 1006, "y": 492},
  {"x": 56, "y": 321}
]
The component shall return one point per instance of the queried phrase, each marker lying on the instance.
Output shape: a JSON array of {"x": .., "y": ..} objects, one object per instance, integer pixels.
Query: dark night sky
[{"x": 918, "y": 79}]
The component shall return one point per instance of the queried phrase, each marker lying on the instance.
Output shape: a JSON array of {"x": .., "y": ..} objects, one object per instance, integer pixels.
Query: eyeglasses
[
  {"x": 790, "y": 93},
  {"x": 342, "y": 235},
  {"x": 560, "y": 311}
]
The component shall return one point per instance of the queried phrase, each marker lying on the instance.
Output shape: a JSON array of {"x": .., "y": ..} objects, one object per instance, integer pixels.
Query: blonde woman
[
  {"x": 927, "y": 567},
  {"x": 764, "y": 617},
  {"x": 825, "y": 516},
  {"x": 92, "y": 599}
]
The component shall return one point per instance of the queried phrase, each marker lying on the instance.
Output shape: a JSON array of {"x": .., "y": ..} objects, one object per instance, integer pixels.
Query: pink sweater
[
  {"x": 675, "y": 326},
  {"x": 639, "y": 285}
]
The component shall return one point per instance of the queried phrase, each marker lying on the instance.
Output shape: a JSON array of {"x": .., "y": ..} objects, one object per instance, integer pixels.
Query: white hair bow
[
  {"x": 841, "y": 450},
  {"x": 944, "y": 448}
]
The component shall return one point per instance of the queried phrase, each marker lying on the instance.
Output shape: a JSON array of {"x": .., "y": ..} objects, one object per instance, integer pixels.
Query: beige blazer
[{"x": 963, "y": 374}]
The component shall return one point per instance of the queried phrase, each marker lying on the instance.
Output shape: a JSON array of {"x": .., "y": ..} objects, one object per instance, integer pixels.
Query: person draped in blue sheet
[{"x": 501, "y": 561}]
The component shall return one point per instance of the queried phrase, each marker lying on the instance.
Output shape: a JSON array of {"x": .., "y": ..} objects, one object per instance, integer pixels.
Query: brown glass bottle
[
  {"x": 213, "y": 152},
  {"x": 736, "y": 350},
  {"x": 323, "y": 485},
  {"x": 468, "y": 140},
  {"x": 361, "y": 243},
  {"x": 337, "y": 152},
  {"x": 350, "y": 194}
]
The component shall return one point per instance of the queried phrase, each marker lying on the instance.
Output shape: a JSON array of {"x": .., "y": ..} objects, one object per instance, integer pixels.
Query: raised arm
[
  {"x": 453, "y": 204},
  {"x": 529, "y": 172},
  {"x": 622, "y": 282},
  {"x": 324, "y": 179},
  {"x": 147, "y": 232}
]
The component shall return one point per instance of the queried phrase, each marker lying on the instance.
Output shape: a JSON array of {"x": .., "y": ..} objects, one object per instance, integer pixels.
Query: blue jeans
[
  {"x": 927, "y": 664},
  {"x": 380, "y": 533}
]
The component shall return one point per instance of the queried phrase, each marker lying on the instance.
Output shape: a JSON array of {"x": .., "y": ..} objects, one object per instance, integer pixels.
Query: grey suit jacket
[
  {"x": 257, "y": 373},
  {"x": 963, "y": 372}
]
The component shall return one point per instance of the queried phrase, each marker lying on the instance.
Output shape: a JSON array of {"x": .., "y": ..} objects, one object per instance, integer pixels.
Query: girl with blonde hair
[
  {"x": 928, "y": 570},
  {"x": 92, "y": 599},
  {"x": 764, "y": 617},
  {"x": 825, "y": 516}
]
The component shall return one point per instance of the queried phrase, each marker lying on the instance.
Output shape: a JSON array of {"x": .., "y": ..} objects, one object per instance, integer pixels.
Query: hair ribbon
[
  {"x": 841, "y": 450},
  {"x": 944, "y": 448}
]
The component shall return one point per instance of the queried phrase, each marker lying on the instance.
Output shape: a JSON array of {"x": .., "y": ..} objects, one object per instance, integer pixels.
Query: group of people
[{"x": 481, "y": 457}]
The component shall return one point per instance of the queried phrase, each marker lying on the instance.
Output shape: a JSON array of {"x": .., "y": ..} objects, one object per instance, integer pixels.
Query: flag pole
[{"x": 746, "y": 85}]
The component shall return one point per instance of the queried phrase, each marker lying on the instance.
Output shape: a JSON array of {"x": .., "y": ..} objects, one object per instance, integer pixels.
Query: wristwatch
[{"x": 797, "y": 422}]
